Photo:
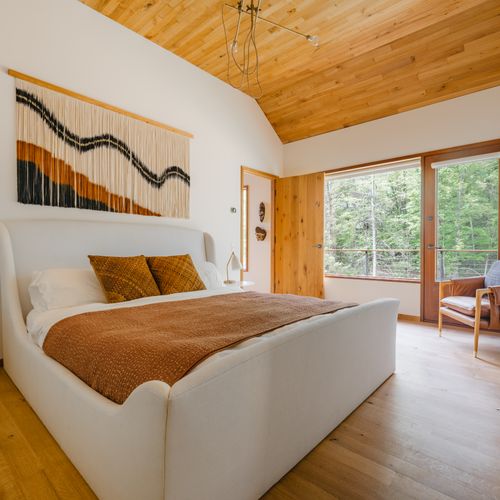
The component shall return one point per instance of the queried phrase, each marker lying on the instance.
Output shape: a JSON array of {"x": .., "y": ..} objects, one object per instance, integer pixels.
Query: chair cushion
[
  {"x": 467, "y": 305},
  {"x": 492, "y": 277}
]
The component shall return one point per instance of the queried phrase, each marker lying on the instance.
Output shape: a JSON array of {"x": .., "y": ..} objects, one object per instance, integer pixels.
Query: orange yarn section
[{"x": 60, "y": 172}]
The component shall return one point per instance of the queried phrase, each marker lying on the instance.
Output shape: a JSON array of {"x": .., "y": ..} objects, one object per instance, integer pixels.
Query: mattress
[{"x": 40, "y": 322}]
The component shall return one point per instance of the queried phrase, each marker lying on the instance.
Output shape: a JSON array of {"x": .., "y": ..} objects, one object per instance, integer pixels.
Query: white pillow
[
  {"x": 56, "y": 288},
  {"x": 209, "y": 275}
]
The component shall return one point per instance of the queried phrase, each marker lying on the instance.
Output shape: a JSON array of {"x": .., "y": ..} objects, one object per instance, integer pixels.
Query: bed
[{"x": 229, "y": 429}]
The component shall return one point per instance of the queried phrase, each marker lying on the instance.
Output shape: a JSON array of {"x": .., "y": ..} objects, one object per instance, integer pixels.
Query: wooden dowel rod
[{"x": 95, "y": 102}]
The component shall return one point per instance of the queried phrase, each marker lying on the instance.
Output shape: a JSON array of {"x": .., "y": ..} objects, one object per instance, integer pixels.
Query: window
[
  {"x": 467, "y": 216},
  {"x": 372, "y": 221},
  {"x": 244, "y": 228}
]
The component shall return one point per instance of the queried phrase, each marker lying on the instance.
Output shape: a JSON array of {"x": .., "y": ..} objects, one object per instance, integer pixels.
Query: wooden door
[{"x": 299, "y": 213}]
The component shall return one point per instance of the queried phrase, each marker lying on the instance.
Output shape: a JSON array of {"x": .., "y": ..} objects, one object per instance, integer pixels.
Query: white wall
[
  {"x": 68, "y": 44},
  {"x": 259, "y": 252},
  {"x": 352, "y": 290},
  {"x": 464, "y": 120}
]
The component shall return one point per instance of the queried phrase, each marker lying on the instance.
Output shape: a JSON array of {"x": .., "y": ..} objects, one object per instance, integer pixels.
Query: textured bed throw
[{"x": 117, "y": 350}]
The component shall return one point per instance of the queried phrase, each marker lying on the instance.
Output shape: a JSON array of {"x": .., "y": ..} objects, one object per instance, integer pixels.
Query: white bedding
[{"x": 40, "y": 322}]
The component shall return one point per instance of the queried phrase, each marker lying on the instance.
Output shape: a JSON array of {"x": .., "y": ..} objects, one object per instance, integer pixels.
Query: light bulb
[
  {"x": 313, "y": 40},
  {"x": 234, "y": 47}
]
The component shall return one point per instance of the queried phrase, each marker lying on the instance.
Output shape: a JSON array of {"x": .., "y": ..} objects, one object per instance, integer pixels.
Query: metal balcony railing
[
  {"x": 462, "y": 267},
  {"x": 390, "y": 262},
  {"x": 398, "y": 263}
]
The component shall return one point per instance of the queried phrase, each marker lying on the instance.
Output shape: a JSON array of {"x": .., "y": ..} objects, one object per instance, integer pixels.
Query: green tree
[
  {"x": 375, "y": 219},
  {"x": 372, "y": 222},
  {"x": 467, "y": 218}
]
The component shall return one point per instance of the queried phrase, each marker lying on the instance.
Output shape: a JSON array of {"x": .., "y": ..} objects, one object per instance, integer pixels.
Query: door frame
[
  {"x": 259, "y": 173},
  {"x": 429, "y": 293}
]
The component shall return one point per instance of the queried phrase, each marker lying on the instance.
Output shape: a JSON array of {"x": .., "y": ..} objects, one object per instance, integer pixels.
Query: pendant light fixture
[{"x": 244, "y": 57}]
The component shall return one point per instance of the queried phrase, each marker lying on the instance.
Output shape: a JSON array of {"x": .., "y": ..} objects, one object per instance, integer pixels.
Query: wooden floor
[{"x": 432, "y": 431}]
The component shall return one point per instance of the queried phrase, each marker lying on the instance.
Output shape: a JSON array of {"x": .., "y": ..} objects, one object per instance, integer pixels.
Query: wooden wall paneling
[
  {"x": 282, "y": 254},
  {"x": 428, "y": 290},
  {"x": 299, "y": 214}
]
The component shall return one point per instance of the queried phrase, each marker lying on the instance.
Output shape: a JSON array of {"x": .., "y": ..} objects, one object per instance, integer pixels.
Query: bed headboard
[{"x": 42, "y": 244}]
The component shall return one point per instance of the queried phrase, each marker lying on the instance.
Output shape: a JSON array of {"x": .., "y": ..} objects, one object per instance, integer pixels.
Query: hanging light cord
[
  {"x": 249, "y": 43},
  {"x": 245, "y": 67},
  {"x": 277, "y": 25}
]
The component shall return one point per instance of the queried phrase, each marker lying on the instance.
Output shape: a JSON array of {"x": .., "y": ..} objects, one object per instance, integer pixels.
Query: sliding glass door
[
  {"x": 467, "y": 217},
  {"x": 460, "y": 220}
]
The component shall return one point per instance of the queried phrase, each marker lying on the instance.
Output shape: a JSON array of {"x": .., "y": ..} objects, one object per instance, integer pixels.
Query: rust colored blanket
[{"x": 117, "y": 350}]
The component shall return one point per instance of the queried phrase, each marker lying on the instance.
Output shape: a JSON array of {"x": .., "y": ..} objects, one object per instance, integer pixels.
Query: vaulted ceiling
[{"x": 376, "y": 57}]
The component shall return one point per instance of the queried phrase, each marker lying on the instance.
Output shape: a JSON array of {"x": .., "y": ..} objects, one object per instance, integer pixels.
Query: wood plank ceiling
[{"x": 376, "y": 58}]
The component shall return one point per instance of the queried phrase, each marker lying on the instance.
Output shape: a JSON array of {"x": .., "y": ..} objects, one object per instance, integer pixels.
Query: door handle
[{"x": 318, "y": 245}]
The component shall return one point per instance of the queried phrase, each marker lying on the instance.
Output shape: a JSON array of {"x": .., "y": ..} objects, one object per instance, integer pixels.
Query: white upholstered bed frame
[{"x": 227, "y": 431}]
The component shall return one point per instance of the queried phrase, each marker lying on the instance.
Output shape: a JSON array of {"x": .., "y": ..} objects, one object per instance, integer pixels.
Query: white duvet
[{"x": 40, "y": 322}]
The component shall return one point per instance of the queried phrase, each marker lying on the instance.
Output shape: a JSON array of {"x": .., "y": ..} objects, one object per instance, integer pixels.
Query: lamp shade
[{"x": 234, "y": 262}]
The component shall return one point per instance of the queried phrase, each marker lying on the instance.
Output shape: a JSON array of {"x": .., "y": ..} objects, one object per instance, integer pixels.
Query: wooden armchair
[{"x": 472, "y": 301}]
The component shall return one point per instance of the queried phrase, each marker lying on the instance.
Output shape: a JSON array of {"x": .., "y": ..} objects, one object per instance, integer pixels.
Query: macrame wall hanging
[{"x": 72, "y": 153}]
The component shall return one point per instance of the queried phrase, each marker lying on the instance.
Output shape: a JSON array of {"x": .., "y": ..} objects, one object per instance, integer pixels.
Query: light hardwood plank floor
[{"x": 432, "y": 431}]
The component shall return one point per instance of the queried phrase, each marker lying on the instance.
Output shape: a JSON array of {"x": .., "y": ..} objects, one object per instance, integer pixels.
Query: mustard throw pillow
[
  {"x": 124, "y": 278},
  {"x": 175, "y": 274}
]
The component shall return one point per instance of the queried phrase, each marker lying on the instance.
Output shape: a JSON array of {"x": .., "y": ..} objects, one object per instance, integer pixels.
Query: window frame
[
  {"x": 366, "y": 168},
  {"x": 244, "y": 237},
  {"x": 428, "y": 296},
  {"x": 453, "y": 162},
  {"x": 372, "y": 278},
  {"x": 429, "y": 290}
]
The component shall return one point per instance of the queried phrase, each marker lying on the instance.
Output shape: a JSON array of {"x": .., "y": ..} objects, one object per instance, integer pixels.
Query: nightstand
[{"x": 239, "y": 284}]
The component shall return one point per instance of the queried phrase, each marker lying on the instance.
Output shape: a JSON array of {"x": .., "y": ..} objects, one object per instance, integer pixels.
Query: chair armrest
[
  {"x": 494, "y": 294},
  {"x": 445, "y": 289},
  {"x": 480, "y": 293}
]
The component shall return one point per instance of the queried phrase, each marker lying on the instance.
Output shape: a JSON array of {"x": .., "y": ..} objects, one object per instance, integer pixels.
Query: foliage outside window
[
  {"x": 372, "y": 224},
  {"x": 467, "y": 225}
]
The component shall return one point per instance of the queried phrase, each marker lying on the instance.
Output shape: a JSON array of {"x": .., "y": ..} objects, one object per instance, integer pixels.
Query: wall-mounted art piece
[
  {"x": 262, "y": 211},
  {"x": 260, "y": 233},
  {"x": 72, "y": 153}
]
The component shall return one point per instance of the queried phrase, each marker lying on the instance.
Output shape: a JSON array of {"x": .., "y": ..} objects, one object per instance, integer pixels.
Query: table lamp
[{"x": 234, "y": 264}]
